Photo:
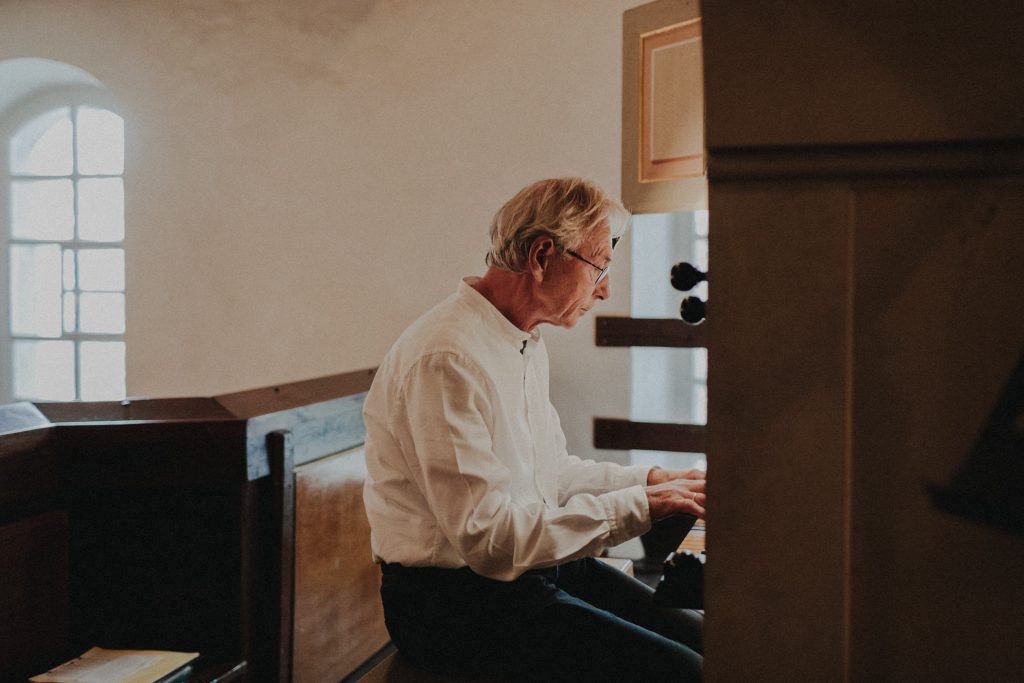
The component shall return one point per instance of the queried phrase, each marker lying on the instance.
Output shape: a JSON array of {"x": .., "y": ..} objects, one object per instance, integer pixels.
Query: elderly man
[{"x": 485, "y": 527}]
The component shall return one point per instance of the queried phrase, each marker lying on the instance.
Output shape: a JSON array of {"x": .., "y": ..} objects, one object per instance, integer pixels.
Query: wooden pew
[
  {"x": 34, "y": 570},
  {"x": 338, "y": 620},
  {"x": 230, "y": 525}
]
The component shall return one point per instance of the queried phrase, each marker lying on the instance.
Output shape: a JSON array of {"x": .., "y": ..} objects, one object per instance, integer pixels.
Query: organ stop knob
[{"x": 684, "y": 277}]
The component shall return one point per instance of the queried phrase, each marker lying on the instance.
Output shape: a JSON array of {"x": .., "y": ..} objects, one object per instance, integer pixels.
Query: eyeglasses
[{"x": 602, "y": 273}]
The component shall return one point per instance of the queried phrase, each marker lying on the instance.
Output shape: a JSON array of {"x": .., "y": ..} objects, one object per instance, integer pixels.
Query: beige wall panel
[
  {"x": 939, "y": 329},
  {"x": 339, "y": 620},
  {"x": 663, "y": 108},
  {"x": 810, "y": 72},
  {"x": 677, "y": 129},
  {"x": 34, "y": 602},
  {"x": 777, "y": 425}
]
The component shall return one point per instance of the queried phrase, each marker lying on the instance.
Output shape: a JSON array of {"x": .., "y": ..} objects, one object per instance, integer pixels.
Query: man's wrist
[{"x": 655, "y": 475}]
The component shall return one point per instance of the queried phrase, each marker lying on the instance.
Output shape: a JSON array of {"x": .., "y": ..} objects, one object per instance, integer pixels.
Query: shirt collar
[{"x": 479, "y": 303}]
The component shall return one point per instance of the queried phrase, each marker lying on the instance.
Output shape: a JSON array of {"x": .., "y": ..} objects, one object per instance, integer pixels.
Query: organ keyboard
[{"x": 682, "y": 579}]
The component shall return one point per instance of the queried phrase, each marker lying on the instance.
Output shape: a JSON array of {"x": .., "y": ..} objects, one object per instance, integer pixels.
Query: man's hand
[
  {"x": 657, "y": 475},
  {"x": 675, "y": 497}
]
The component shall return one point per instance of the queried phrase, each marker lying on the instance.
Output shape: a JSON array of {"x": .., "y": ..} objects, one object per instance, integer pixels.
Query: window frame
[{"x": 12, "y": 118}]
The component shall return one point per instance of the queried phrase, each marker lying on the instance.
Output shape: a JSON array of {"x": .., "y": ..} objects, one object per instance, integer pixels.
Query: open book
[{"x": 99, "y": 665}]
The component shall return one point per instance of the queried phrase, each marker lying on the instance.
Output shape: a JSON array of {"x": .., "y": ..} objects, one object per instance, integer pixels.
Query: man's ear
[{"x": 541, "y": 251}]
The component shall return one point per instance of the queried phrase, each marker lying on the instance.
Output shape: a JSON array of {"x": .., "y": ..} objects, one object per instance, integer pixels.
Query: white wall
[{"x": 304, "y": 178}]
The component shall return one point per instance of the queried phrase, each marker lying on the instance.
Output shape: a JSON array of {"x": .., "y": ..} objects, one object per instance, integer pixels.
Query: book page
[{"x": 99, "y": 665}]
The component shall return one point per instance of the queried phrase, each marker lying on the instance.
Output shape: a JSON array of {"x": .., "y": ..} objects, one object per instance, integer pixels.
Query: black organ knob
[
  {"x": 685, "y": 277},
  {"x": 693, "y": 310}
]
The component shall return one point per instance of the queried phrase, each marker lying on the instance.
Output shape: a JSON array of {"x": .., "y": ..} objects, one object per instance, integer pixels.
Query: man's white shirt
[{"x": 466, "y": 458}]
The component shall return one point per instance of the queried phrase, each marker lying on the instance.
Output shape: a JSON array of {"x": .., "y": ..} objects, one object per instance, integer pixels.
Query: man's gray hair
[{"x": 567, "y": 209}]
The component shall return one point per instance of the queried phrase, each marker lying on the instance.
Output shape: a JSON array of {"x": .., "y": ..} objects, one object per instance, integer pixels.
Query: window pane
[
  {"x": 102, "y": 373},
  {"x": 100, "y": 142},
  {"x": 101, "y": 209},
  {"x": 700, "y": 404},
  {"x": 101, "y": 313},
  {"x": 70, "y": 311},
  {"x": 701, "y": 223},
  {"x": 662, "y": 385},
  {"x": 44, "y": 370},
  {"x": 69, "y": 269},
  {"x": 35, "y": 289},
  {"x": 42, "y": 209},
  {"x": 700, "y": 365},
  {"x": 101, "y": 270},
  {"x": 43, "y": 145},
  {"x": 658, "y": 242},
  {"x": 700, "y": 254}
]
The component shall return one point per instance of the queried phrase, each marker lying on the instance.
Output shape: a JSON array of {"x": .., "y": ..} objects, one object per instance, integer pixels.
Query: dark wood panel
[
  {"x": 162, "y": 409},
  {"x": 29, "y": 471},
  {"x": 623, "y": 331},
  {"x": 986, "y": 158},
  {"x": 104, "y": 455},
  {"x": 34, "y": 594},
  {"x": 653, "y": 436},
  {"x": 281, "y": 455},
  {"x": 157, "y": 567}
]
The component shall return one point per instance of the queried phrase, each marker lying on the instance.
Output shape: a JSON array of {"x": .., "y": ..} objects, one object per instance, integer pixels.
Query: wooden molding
[
  {"x": 671, "y": 127},
  {"x": 991, "y": 158},
  {"x": 672, "y": 177},
  {"x": 620, "y": 434},
  {"x": 667, "y": 332}
]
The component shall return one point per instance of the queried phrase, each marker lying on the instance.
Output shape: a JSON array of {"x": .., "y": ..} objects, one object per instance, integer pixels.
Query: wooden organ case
[{"x": 864, "y": 175}]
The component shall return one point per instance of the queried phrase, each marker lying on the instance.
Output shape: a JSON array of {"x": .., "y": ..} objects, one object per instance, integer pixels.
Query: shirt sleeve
[
  {"x": 447, "y": 424},
  {"x": 576, "y": 475}
]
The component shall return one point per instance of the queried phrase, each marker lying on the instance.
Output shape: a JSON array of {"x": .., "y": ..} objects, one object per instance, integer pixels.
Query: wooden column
[{"x": 866, "y": 171}]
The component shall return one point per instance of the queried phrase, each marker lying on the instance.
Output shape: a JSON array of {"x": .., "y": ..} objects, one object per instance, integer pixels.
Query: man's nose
[{"x": 604, "y": 288}]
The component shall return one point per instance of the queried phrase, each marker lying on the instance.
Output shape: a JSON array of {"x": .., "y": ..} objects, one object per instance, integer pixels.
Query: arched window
[{"x": 62, "y": 181}]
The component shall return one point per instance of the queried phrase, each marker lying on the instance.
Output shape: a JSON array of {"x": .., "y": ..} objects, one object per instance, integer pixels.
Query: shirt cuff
[
  {"x": 627, "y": 513},
  {"x": 634, "y": 474}
]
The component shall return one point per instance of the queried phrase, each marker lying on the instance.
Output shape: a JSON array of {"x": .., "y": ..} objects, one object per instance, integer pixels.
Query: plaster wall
[{"x": 305, "y": 178}]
